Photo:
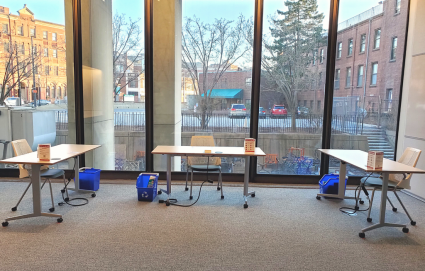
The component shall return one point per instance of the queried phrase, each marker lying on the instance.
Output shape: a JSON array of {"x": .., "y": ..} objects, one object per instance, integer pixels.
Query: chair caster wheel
[
  {"x": 318, "y": 197},
  {"x": 245, "y": 205},
  {"x": 253, "y": 195},
  {"x": 14, "y": 209},
  {"x": 222, "y": 197},
  {"x": 66, "y": 199},
  {"x": 52, "y": 209},
  {"x": 93, "y": 195},
  {"x": 369, "y": 219},
  {"x": 5, "y": 224},
  {"x": 361, "y": 201},
  {"x": 413, "y": 223},
  {"x": 167, "y": 203},
  {"x": 218, "y": 188},
  {"x": 394, "y": 209},
  {"x": 63, "y": 191},
  {"x": 186, "y": 189},
  {"x": 61, "y": 203},
  {"x": 362, "y": 235},
  {"x": 405, "y": 230},
  {"x": 60, "y": 220},
  {"x": 159, "y": 192},
  {"x": 191, "y": 197}
]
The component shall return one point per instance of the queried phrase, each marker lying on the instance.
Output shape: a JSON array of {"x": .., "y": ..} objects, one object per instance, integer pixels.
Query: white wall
[{"x": 412, "y": 113}]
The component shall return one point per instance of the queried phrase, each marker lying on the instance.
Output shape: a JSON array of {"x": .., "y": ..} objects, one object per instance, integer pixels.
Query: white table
[
  {"x": 215, "y": 152},
  {"x": 358, "y": 159},
  {"x": 61, "y": 153}
]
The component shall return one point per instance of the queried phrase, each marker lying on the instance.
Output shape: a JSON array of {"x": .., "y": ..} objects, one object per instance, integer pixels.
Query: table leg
[
  {"x": 36, "y": 198},
  {"x": 246, "y": 182},
  {"x": 77, "y": 179},
  {"x": 168, "y": 190},
  {"x": 382, "y": 210},
  {"x": 341, "y": 184}
]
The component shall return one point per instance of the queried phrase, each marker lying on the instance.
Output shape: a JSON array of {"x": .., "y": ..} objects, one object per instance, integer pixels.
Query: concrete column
[
  {"x": 96, "y": 17},
  {"x": 167, "y": 32}
]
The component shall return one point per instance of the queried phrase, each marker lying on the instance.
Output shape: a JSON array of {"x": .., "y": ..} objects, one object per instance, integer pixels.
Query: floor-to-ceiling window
[
  {"x": 364, "y": 114},
  {"x": 292, "y": 86}
]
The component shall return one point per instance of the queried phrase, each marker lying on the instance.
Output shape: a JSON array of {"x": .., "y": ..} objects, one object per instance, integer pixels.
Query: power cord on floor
[
  {"x": 67, "y": 199},
  {"x": 174, "y": 201},
  {"x": 356, "y": 207}
]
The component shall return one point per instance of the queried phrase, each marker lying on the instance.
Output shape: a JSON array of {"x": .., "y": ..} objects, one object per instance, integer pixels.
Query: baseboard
[{"x": 413, "y": 195}]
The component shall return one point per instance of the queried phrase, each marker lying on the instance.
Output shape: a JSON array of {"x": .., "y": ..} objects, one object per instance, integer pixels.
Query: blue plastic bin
[
  {"x": 89, "y": 179},
  {"x": 144, "y": 192},
  {"x": 329, "y": 184}
]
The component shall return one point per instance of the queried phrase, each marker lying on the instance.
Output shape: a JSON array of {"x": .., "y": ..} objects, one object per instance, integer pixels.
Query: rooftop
[{"x": 370, "y": 13}]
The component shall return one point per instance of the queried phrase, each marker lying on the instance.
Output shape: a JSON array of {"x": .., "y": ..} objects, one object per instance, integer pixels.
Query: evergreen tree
[{"x": 296, "y": 33}]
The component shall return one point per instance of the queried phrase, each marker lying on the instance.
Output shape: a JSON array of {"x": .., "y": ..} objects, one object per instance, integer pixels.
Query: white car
[{"x": 12, "y": 101}]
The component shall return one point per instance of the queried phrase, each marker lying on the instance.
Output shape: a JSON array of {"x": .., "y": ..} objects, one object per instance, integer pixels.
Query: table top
[
  {"x": 200, "y": 151},
  {"x": 358, "y": 159},
  {"x": 61, "y": 152}
]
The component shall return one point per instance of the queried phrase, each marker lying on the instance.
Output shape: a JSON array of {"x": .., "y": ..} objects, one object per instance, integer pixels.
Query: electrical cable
[
  {"x": 356, "y": 207},
  {"x": 67, "y": 200},
  {"x": 174, "y": 201}
]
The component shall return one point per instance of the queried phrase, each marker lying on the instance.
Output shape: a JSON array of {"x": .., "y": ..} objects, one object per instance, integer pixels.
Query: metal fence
[{"x": 221, "y": 123}]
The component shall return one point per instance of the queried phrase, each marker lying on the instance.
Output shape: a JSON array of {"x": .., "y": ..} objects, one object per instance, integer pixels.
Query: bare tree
[
  {"x": 128, "y": 51},
  {"x": 18, "y": 67},
  {"x": 208, "y": 51}
]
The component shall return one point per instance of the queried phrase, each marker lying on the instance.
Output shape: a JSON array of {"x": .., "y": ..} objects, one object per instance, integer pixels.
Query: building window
[
  {"x": 350, "y": 47},
  {"x": 377, "y": 39},
  {"x": 348, "y": 78},
  {"x": 388, "y": 99},
  {"x": 337, "y": 75},
  {"x": 46, "y": 52},
  {"x": 305, "y": 103},
  {"x": 362, "y": 43},
  {"x": 374, "y": 74},
  {"x": 22, "y": 49},
  {"x": 45, "y": 35},
  {"x": 248, "y": 81},
  {"x": 56, "y": 70},
  {"x": 360, "y": 76},
  {"x": 54, "y": 36},
  {"x": 319, "y": 105},
  {"x": 32, "y": 32},
  {"x": 132, "y": 83},
  {"x": 55, "y": 53},
  {"x": 6, "y": 46},
  {"x": 321, "y": 55},
  {"x": 393, "y": 48},
  {"x": 397, "y": 6},
  {"x": 5, "y": 28},
  {"x": 314, "y": 57},
  {"x": 46, "y": 70},
  {"x": 339, "y": 50},
  {"x": 20, "y": 30}
]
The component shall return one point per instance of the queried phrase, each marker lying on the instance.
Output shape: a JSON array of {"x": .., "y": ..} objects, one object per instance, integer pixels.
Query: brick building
[
  {"x": 50, "y": 49},
  {"x": 369, "y": 59}
]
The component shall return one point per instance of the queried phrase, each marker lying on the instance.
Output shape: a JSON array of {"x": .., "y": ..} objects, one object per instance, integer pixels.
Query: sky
[{"x": 52, "y": 10}]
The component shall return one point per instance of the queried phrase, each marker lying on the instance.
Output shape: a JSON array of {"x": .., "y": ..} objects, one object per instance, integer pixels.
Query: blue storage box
[
  {"x": 89, "y": 179},
  {"x": 329, "y": 184},
  {"x": 144, "y": 192}
]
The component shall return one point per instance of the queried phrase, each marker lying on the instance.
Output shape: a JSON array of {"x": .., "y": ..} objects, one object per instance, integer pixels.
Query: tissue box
[{"x": 375, "y": 159}]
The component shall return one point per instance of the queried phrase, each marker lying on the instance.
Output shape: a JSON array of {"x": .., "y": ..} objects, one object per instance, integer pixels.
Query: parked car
[
  {"x": 278, "y": 111},
  {"x": 237, "y": 111},
  {"x": 11, "y": 101},
  {"x": 302, "y": 110},
  {"x": 262, "y": 113},
  {"x": 40, "y": 103}
]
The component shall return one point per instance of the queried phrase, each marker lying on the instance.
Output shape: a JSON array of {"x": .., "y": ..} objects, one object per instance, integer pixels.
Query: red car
[{"x": 278, "y": 111}]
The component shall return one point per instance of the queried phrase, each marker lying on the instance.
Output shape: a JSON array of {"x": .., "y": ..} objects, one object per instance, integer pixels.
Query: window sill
[
  {"x": 338, "y": 58},
  {"x": 375, "y": 49},
  {"x": 372, "y": 86},
  {"x": 362, "y": 53},
  {"x": 397, "y": 13},
  {"x": 392, "y": 60},
  {"x": 350, "y": 56}
]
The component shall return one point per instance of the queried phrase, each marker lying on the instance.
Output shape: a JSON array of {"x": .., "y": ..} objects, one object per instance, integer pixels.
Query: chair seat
[
  {"x": 204, "y": 168},
  {"x": 377, "y": 182},
  {"x": 52, "y": 173}
]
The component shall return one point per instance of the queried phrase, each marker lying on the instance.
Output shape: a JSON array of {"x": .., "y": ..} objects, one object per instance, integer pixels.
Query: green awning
[{"x": 231, "y": 93}]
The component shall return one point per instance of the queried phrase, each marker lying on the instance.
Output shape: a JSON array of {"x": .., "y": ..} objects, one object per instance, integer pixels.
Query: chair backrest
[
  {"x": 409, "y": 157},
  {"x": 206, "y": 141},
  {"x": 21, "y": 147},
  {"x": 271, "y": 159}
]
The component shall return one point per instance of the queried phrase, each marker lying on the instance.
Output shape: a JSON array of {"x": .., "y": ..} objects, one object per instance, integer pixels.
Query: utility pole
[{"x": 34, "y": 89}]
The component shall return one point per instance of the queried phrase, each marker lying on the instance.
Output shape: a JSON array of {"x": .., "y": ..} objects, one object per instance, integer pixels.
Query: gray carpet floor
[{"x": 283, "y": 229}]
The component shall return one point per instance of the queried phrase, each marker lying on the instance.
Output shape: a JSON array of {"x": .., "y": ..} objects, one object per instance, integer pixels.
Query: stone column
[{"x": 167, "y": 32}]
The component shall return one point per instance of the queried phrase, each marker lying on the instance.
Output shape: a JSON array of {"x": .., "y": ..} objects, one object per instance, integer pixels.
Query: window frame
[
  {"x": 54, "y": 36},
  {"x": 55, "y": 53},
  {"x": 393, "y": 51},
  {"x": 374, "y": 74},
  {"x": 377, "y": 39},
  {"x": 337, "y": 78},
  {"x": 350, "y": 47},
  {"x": 362, "y": 43},
  {"x": 360, "y": 76},
  {"x": 339, "y": 50},
  {"x": 45, "y": 35}
]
